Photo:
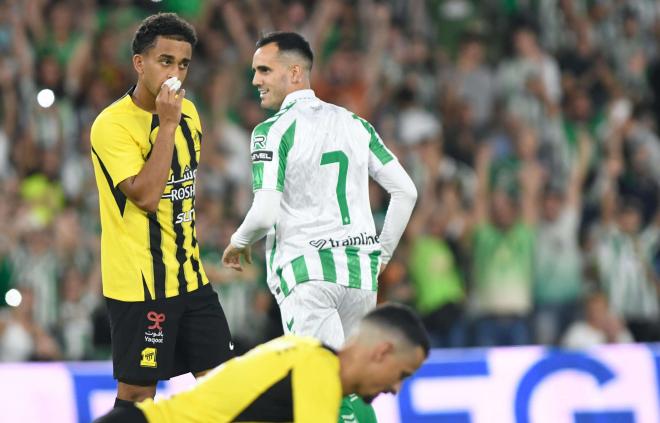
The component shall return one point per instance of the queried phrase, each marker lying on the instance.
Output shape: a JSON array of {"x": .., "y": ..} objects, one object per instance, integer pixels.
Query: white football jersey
[{"x": 319, "y": 156}]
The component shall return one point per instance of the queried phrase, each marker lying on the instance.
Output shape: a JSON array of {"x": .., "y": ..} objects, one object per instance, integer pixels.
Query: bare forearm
[
  {"x": 529, "y": 207},
  {"x": 237, "y": 30},
  {"x": 482, "y": 192},
  {"x": 10, "y": 101},
  {"x": 580, "y": 169},
  {"x": 146, "y": 188},
  {"x": 609, "y": 198},
  {"x": 22, "y": 51},
  {"x": 531, "y": 180}
]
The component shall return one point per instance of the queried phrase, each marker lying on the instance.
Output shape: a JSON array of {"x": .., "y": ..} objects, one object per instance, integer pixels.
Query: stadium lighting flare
[
  {"x": 13, "y": 297},
  {"x": 46, "y": 98}
]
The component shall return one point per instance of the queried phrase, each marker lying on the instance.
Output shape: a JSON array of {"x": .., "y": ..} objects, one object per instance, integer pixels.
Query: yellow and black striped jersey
[
  {"x": 291, "y": 378},
  {"x": 146, "y": 255}
]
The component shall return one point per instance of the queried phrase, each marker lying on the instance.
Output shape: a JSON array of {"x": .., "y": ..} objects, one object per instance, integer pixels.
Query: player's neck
[
  {"x": 143, "y": 98},
  {"x": 348, "y": 370},
  {"x": 299, "y": 87},
  {"x": 293, "y": 89}
]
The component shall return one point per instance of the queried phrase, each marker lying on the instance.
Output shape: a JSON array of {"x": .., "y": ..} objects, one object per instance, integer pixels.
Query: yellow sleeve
[
  {"x": 112, "y": 144},
  {"x": 316, "y": 388},
  {"x": 190, "y": 110}
]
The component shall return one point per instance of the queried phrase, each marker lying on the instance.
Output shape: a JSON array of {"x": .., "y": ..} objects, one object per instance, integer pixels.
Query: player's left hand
[{"x": 232, "y": 257}]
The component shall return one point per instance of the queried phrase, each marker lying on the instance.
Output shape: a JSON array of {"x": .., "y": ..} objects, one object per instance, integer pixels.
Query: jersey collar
[{"x": 298, "y": 95}]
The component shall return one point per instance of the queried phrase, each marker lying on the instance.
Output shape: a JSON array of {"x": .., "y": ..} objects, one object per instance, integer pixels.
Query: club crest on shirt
[{"x": 148, "y": 358}]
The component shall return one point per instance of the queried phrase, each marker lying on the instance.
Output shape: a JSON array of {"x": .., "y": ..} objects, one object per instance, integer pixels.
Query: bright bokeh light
[
  {"x": 13, "y": 297},
  {"x": 46, "y": 98}
]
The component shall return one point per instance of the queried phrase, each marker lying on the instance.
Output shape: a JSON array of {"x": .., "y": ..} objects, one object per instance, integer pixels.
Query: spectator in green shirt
[
  {"x": 503, "y": 246},
  {"x": 436, "y": 232}
]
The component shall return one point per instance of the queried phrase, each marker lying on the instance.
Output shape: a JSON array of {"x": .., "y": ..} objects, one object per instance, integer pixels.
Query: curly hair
[{"x": 168, "y": 25}]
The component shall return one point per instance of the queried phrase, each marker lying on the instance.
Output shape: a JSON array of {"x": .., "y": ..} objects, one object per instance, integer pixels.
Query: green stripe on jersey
[
  {"x": 283, "y": 285},
  {"x": 379, "y": 150},
  {"x": 328, "y": 265},
  {"x": 373, "y": 262},
  {"x": 285, "y": 146},
  {"x": 257, "y": 176},
  {"x": 264, "y": 127},
  {"x": 353, "y": 260},
  {"x": 375, "y": 144},
  {"x": 300, "y": 269},
  {"x": 272, "y": 251}
]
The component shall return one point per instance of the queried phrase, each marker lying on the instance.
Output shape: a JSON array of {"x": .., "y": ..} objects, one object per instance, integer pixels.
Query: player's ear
[
  {"x": 381, "y": 351},
  {"x": 138, "y": 63},
  {"x": 296, "y": 74}
]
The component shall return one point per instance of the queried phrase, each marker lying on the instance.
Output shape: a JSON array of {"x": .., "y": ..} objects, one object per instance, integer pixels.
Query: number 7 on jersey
[{"x": 341, "y": 158}]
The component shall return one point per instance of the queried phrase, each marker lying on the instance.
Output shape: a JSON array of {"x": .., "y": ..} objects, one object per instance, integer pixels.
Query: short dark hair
[
  {"x": 168, "y": 25},
  {"x": 402, "y": 319},
  {"x": 629, "y": 203},
  {"x": 288, "y": 41},
  {"x": 471, "y": 36}
]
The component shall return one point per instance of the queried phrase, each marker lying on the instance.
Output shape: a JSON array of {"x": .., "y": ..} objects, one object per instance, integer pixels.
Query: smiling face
[
  {"x": 274, "y": 76},
  {"x": 387, "y": 368},
  {"x": 167, "y": 58}
]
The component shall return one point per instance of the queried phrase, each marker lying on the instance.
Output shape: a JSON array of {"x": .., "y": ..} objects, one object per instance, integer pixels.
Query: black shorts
[{"x": 159, "y": 339}]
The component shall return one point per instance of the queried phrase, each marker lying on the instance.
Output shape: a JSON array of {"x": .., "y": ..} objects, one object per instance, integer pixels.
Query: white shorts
[{"x": 325, "y": 310}]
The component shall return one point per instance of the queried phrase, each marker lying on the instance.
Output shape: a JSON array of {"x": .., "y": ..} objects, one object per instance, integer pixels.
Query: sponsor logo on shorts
[
  {"x": 154, "y": 337},
  {"x": 262, "y": 156},
  {"x": 362, "y": 239},
  {"x": 157, "y": 318},
  {"x": 148, "y": 357},
  {"x": 155, "y": 333}
]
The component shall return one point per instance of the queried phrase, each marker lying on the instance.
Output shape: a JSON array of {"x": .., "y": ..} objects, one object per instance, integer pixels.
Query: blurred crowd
[{"x": 529, "y": 127}]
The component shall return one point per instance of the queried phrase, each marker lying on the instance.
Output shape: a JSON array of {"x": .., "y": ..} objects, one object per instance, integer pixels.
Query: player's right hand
[
  {"x": 168, "y": 105},
  {"x": 232, "y": 257}
]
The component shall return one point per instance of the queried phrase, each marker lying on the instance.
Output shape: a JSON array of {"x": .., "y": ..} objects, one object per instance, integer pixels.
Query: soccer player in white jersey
[{"x": 311, "y": 164}]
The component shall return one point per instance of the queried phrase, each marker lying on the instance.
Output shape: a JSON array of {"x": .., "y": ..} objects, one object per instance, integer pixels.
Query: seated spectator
[{"x": 600, "y": 326}]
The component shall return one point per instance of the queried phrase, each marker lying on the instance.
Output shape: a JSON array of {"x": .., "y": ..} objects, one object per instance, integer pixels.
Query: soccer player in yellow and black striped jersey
[
  {"x": 165, "y": 318},
  {"x": 296, "y": 378}
]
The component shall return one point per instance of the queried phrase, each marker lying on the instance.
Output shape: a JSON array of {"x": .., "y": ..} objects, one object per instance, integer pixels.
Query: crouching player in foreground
[{"x": 296, "y": 378}]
